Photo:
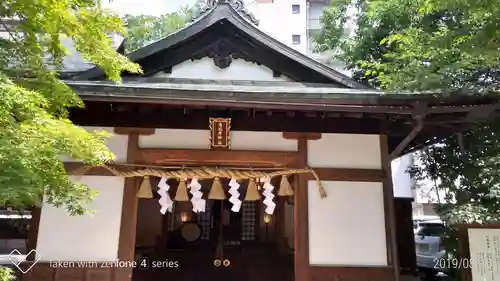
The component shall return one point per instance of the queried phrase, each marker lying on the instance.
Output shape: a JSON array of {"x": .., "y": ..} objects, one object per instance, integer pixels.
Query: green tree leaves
[
  {"x": 6, "y": 274},
  {"x": 34, "y": 130},
  {"x": 448, "y": 45},
  {"x": 143, "y": 30}
]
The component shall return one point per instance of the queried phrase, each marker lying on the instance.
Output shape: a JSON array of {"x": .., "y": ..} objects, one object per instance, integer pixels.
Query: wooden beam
[
  {"x": 162, "y": 156},
  {"x": 351, "y": 273},
  {"x": 132, "y": 131},
  {"x": 98, "y": 114},
  {"x": 176, "y": 117},
  {"x": 407, "y": 140},
  {"x": 346, "y": 174},
  {"x": 296, "y": 136}
]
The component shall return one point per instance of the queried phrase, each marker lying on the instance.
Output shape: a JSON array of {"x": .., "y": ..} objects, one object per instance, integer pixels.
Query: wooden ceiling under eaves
[
  {"x": 223, "y": 34},
  {"x": 397, "y": 127}
]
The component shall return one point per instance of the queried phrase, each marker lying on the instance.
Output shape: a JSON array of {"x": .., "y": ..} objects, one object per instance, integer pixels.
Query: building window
[
  {"x": 295, "y": 39},
  {"x": 295, "y": 9}
]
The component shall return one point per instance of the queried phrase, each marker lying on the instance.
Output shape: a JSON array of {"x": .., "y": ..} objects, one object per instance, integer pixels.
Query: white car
[
  {"x": 9, "y": 260},
  {"x": 429, "y": 249},
  {"x": 417, "y": 220},
  {"x": 10, "y": 243}
]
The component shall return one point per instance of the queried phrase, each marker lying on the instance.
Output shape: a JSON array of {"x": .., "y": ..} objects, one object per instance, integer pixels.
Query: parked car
[
  {"x": 429, "y": 247},
  {"x": 417, "y": 220},
  {"x": 9, "y": 260},
  {"x": 12, "y": 237}
]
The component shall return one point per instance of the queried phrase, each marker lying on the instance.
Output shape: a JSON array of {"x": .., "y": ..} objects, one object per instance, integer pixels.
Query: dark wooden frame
[
  {"x": 209, "y": 157},
  {"x": 390, "y": 216},
  {"x": 128, "y": 226},
  {"x": 188, "y": 115},
  {"x": 306, "y": 272}
]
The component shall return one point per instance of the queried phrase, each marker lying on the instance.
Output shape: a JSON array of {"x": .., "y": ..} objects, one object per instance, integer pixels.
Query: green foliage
[
  {"x": 373, "y": 22},
  {"x": 417, "y": 45},
  {"x": 21, "y": 225},
  {"x": 34, "y": 129},
  {"x": 6, "y": 274},
  {"x": 447, "y": 46},
  {"x": 466, "y": 168},
  {"x": 454, "y": 46},
  {"x": 144, "y": 29}
]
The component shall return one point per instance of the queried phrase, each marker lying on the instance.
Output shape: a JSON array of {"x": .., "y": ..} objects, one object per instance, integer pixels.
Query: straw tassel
[
  {"x": 285, "y": 187},
  {"x": 181, "y": 194},
  {"x": 252, "y": 192},
  {"x": 145, "y": 189},
  {"x": 217, "y": 191}
]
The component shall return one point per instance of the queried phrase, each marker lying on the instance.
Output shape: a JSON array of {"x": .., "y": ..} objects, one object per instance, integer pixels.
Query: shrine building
[{"x": 239, "y": 158}]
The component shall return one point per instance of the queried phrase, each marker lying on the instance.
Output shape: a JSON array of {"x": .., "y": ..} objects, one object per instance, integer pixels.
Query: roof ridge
[
  {"x": 237, "y": 5},
  {"x": 234, "y": 12},
  {"x": 292, "y": 52}
]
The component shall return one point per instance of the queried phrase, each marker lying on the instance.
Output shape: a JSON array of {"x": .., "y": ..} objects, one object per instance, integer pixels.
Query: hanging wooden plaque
[{"x": 220, "y": 133}]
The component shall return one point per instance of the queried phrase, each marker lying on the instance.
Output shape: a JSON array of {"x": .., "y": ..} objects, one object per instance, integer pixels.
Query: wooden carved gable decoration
[{"x": 220, "y": 133}]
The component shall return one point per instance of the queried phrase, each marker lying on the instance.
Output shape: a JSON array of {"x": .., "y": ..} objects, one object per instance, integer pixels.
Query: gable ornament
[
  {"x": 237, "y": 5},
  {"x": 223, "y": 52}
]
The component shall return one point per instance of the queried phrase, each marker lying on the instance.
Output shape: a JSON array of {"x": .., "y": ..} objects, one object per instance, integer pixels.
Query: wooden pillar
[
  {"x": 301, "y": 219},
  {"x": 405, "y": 236},
  {"x": 32, "y": 238},
  {"x": 128, "y": 226},
  {"x": 301, "y": 208},
  {"x": 390, "y": 219}
]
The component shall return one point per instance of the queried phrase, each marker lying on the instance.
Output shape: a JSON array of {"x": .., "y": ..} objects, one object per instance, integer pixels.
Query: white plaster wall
[
  {"x": 347, "y": 227},
  {"x": 264, "y": 141},
  {"x": 176, "y": 138},
  {"x": 84, "y": 238},
  {"x": 402, "y": 182},
  {"x": 345, "y": 151},
  {"x": 116, "y": 143},
  {"x": 277, "y": 20},
  {"x": 206, "y": 69},
  {"x": 199, "y": 139}
]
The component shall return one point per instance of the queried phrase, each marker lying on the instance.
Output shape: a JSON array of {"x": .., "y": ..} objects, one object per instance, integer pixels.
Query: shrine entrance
[{"x": 219, "y": 243}]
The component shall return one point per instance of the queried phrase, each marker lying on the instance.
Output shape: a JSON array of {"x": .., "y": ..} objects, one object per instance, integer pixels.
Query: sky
[{"x": 146, "y": 7}]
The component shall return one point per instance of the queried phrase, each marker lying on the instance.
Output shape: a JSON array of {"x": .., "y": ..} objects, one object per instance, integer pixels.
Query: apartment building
[
  {"x": 293, "y": 22},
  {"x": 424, "y": 193}
]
